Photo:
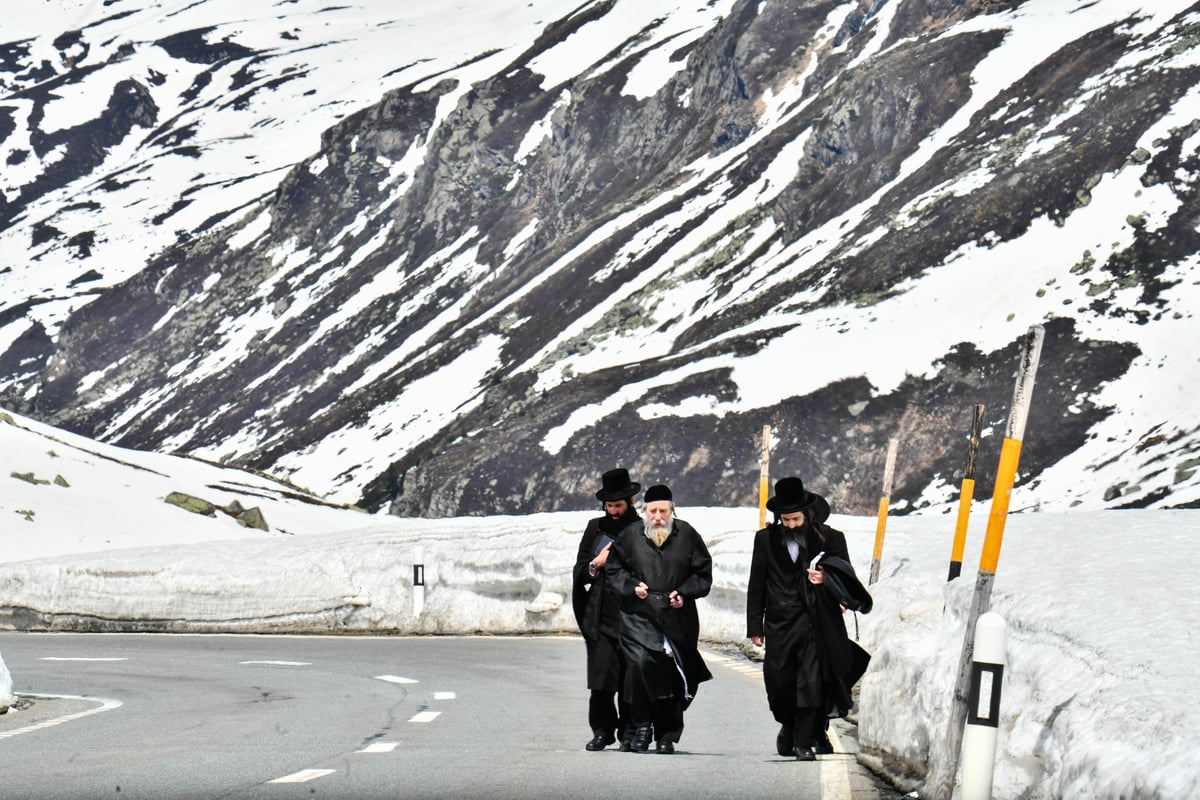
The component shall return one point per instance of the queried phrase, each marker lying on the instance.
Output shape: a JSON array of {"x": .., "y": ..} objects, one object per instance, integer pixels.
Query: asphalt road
[{"x": 248, "y": 717}]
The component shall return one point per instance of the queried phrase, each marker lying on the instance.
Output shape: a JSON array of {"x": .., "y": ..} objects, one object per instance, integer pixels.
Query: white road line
[
  {"x": 835, "y": 775},
  {"x": 380, "y": 747},
  {"x": 105, "y": 705},
  {"x": 280, "y": 663},
  {"x": 65, "y": 658},
  {"x": 444, "y": 695},
  {"x": 425, "y": 716},
  {"x": 394, "y": 679},
  {"x": 304, "y": 775}
]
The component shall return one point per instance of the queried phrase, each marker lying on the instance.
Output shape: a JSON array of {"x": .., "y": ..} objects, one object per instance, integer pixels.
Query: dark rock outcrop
[{"x": 798, "y": 172}]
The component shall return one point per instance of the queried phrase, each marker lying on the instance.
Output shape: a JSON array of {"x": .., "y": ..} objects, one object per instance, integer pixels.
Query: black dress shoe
[
  {"x": 804, "y": 752},
  {"x": 666, "y": 748},
  {"x": 601, "y": 740},
  {"x": 640, "y": 742},
  {"x": 626, "y": 746},
  {"x": 784, "y": 742},
  {"x": 823, "y": 747}
]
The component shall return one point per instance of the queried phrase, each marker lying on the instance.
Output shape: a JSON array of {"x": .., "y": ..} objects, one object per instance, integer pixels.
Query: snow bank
[{"x": 1101, "y": 606}]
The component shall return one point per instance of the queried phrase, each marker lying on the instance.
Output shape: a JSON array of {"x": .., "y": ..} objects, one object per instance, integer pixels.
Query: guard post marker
[
  {"x": 418, "y": 582},
  {"x": 966, "y": 495},
  {"x": 884, "y": 501},
  {"x": 764, "y": 473},
  {"x": 939, "y": 782},
  {"x": 983, "y": 707}
]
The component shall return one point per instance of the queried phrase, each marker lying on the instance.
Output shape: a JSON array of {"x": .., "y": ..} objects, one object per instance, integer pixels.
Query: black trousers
[
  {"x": 608, "y": 710},
  {"x": 809, "y": 726},
  {"x": 655, "y": 692}
]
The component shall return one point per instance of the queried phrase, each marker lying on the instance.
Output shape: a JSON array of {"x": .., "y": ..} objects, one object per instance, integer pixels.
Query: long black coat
[
  {"x": 683, "y": 565},
  {"x": 597, "y": 605},
  {"x": 809, "y": 657}
]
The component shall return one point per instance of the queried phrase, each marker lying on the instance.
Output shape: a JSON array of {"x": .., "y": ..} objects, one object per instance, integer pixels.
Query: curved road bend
[{"x": 164, "y": 716}]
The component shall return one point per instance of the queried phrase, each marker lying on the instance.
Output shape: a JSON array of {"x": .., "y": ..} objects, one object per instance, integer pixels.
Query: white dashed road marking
[
  {"x": 105, "y": 705},
  {"x": 304, "y": 775},
  {"x": 394, "y": 679}
]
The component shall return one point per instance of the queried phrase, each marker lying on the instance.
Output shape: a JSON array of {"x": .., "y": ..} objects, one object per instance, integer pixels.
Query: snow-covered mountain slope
[
  {"x": 65, "y": 494},
  {"x": 462, "y": 261}
]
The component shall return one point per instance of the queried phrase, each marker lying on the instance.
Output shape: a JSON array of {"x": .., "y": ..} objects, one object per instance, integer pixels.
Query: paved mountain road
[{"x": 250, "y": 717}]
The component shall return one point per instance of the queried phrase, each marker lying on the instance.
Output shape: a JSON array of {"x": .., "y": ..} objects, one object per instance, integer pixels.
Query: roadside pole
[
  {"x": 966, "y": 495},
  {"x": 983, "y": 710},
  {"x": 418, "y": 582},
  {"x": 764, "y": 473},
  {"x": 939, "y": 783},
  {"x": 884, "y": 500}
]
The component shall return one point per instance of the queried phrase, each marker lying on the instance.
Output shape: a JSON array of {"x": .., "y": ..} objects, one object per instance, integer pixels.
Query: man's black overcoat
[
  {"x": 807, "y": 649},
  {"x": 597, "y": 605},
  {"x": 683, "y": 565}
]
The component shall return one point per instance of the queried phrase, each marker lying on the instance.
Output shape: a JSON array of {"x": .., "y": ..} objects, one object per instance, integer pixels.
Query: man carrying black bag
[{"x": 811, "y": 663}]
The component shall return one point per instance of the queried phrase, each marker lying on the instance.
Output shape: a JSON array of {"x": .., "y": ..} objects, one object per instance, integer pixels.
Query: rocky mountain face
[{"x": 623, "y": 234}]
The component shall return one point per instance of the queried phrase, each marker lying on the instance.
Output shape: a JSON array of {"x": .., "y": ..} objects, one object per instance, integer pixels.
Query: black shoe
[
  {"x": 804, "y": 752},
  {"x": 822, "y": 746},
  {"x": 664, "y": 747},
  {"x": 601, "y": 740},
  {"x": 784, "y": 741},
  {"x": 626, "y": 746},
  {"x": 640, "y": 742}
]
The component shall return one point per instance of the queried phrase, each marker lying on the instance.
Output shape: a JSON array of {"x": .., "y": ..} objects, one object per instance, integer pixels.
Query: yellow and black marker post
[
  {"x": 884, "y": 501},
  {"x": 966, "y": 496},
  {"x": 764, "y": 473},
  {"x": 939, "y": 783}
]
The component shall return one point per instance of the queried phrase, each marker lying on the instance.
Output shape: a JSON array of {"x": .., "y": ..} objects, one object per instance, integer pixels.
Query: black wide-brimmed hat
[
  {"x": 791, "y": 496},
  {"x": 615, "y": 485}
]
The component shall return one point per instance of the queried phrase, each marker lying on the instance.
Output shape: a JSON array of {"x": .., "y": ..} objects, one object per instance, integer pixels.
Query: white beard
[{"x": 659, "y": 533}]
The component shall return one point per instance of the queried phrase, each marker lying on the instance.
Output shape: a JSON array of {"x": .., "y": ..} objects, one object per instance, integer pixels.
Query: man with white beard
[{"x": 660, "y": 567}]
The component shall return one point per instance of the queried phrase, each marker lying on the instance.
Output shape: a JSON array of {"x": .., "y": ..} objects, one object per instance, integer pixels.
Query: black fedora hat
[
  {"x": 791, "y": 496},
  {"x": 615, "y": 485}
]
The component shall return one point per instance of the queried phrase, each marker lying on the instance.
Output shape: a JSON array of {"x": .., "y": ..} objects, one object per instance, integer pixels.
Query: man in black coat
[
  {"x": 660, "y": 567},
  {"x": 810, "y": 661},
  {"x": 597, "y": 609}
]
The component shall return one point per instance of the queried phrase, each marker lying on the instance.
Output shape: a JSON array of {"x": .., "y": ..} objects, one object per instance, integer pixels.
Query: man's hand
[
  {"x": 676, "y": 600},
  {"x": 597, "y": 563},
  {"x": 816, "y": 576},
  {"x": 642, "y": 590},
  {"x": 757, "y": 640}
]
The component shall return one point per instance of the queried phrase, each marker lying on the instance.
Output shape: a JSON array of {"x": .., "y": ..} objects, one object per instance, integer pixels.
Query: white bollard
[
  {"x": 983, "y": 707},
  {"x": 418, "y": 582}
]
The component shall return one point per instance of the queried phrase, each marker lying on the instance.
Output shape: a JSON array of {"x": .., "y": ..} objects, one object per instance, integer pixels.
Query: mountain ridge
[{"x": 504, "y": 276}]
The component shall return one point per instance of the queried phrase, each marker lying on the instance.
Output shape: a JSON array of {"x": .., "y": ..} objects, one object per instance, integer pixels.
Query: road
[{"x": 249, "y": 717}]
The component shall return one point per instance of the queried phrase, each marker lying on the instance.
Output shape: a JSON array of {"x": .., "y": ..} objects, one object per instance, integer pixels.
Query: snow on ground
[
  {"x": 40, "y": 517},
  {"x": 1100, "y": 606}
]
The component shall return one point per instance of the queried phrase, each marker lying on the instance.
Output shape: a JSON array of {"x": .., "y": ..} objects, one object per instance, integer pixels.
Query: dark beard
[
  {"x": 795, "y": 534},
  {"x": 614, "y": 526}
]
